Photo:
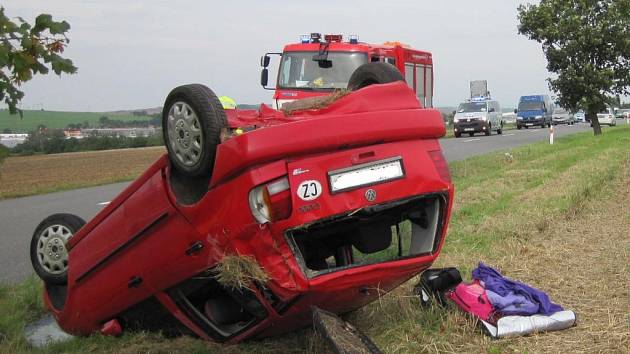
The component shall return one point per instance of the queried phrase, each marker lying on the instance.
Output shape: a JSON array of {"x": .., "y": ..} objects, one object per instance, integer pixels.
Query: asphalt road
[{"x": 19, "y": 217}]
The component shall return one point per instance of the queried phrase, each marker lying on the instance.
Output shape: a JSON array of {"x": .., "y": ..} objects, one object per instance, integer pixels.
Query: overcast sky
[{"x": 131, "y": 53}]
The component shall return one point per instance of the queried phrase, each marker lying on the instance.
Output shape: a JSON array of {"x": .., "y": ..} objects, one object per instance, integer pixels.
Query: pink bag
[{"x": 472, "y": 298}]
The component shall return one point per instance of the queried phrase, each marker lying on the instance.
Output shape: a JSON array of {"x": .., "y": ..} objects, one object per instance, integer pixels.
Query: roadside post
[{"x": 551, "y": 135}]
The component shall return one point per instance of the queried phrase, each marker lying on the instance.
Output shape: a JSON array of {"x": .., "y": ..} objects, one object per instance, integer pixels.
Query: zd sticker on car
[{"x": 309, "y": 190}]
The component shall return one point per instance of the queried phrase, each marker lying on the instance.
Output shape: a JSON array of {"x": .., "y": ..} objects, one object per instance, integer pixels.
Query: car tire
[
  {"x": 500, "y": 130},
  {"x": 458, "y": 135},
  {"x": 471, "y": 134},
  {"x": 373, "y": 73},
  {"x": 519, "y": 127},
  {"x": 489, "y": 131},
  {"x": 48, "y": 251},
  {"x": 192, "y": 121}
]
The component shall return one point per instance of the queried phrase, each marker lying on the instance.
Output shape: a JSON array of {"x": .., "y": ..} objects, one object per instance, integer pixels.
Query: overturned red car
[{"x": 337, "y": 205}]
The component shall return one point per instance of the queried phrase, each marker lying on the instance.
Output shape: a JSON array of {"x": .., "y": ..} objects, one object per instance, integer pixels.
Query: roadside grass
[
  {"x": 553, "y": 216},
  {"x": 36, "y": 174}
]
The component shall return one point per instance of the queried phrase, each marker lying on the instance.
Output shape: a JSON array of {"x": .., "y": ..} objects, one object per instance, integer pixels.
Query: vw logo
[{"x": 370, "y": 195}]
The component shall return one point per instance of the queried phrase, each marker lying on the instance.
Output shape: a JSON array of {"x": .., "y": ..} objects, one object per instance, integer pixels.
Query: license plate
[
  {"x": 469, "y": 129},
  {"x": 529, "y": 124},
  {"x": 366, "y": 174}
]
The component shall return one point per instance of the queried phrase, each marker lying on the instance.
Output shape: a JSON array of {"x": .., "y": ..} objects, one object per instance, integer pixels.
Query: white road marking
[
  {"x": 103, "y": 203},
  {"x": 469, "y": 140}
]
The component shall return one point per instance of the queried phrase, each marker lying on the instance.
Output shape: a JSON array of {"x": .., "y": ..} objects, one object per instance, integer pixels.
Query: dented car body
[{"x": 337, "y": 205}]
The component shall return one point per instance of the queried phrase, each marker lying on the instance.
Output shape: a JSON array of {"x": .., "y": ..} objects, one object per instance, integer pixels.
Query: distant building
[
  {"x": 12, "y": 140},
  {"x": 121, "y": 132},
  {"x": 73, "y": 133}
]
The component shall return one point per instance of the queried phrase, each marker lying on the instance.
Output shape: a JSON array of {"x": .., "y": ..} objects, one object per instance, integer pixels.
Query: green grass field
[
  {"x": 52, "y": 119},
  {"x": 553, "y": 216}
]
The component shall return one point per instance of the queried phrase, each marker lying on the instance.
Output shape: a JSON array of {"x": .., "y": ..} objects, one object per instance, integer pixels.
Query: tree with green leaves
[
  {"x": 27, "y": 50},
  {"x": 587, "y": 46}
]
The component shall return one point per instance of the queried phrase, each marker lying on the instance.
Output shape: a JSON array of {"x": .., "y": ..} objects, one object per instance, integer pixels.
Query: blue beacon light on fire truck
[{"x": 316, "y": 38}]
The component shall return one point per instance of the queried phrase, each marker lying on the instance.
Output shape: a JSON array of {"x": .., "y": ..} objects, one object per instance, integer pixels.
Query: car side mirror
[
  {"x": 264, "y": 61},
  {"x": 454, "y": 112},
  {"x": 264, "y": 77},
  {"x": 515, "y": 111}
]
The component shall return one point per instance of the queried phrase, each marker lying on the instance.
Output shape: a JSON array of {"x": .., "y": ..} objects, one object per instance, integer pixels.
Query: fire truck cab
[{"x": 317, "y": 66}]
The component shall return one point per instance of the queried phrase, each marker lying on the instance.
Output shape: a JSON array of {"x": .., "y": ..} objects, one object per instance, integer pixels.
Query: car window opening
[{"x": 372, "y": 235}]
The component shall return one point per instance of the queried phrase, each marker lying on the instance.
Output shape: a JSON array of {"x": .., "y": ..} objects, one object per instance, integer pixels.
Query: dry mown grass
[
  {"x": 567, "y": 236},
  {"x": 27, "y": 175}
]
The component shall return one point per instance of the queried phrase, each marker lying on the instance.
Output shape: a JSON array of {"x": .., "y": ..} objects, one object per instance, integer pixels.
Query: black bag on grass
[{"x": 434, "y": 283}]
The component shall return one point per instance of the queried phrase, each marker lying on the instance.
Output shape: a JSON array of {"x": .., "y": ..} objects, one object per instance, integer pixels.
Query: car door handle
[{"x": 194, "y": 248}]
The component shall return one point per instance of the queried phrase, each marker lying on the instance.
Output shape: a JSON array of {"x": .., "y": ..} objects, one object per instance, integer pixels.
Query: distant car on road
[
  {"x": 478, "y": 115},
  {"x": 534, "y": 110},
  {"x": 579, "y": 117},
  {"x": 562, "y": 116},
  {"x": 606, "y": 118}
]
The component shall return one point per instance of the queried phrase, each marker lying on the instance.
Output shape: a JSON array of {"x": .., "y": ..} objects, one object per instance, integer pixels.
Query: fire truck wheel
[
  {"x": 49, "y": 254},
  {"x": 192, "y": 121},
  {"x": 373, "y": 73}
]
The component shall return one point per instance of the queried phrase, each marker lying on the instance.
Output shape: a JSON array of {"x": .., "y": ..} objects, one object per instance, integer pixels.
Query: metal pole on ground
[{"x": 551, "y": 135}]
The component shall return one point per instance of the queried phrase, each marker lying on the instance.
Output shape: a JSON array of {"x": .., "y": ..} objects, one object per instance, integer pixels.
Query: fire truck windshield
[{"x": 298, "y": 70}]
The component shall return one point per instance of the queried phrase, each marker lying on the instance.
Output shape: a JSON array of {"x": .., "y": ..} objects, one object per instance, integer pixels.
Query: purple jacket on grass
[{"x": 511, "y": 297}]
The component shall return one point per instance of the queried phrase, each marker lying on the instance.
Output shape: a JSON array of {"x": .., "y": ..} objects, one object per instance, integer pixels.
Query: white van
[{"x": 478, "y": 115}]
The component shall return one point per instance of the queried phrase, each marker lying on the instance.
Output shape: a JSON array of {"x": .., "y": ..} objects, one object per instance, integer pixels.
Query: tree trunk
[{"x": 597, "y": 129}]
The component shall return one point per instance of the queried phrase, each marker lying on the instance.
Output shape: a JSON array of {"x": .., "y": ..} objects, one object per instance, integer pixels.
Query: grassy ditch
[{"x": 553, "y": 216}]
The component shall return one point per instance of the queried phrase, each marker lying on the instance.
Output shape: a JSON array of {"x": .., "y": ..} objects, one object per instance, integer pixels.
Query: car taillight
[
  {"x": 271, "y": 201},
  {"x": 440, "y": 165}
]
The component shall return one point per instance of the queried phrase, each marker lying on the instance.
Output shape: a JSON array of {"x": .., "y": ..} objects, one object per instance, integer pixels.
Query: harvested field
[{"x": 27, "y": 175}]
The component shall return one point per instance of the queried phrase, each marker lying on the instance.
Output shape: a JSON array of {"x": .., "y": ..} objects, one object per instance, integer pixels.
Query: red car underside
[{"x": 338, "y": 251}]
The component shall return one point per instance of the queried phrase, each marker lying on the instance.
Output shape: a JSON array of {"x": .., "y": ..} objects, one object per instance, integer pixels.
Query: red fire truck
[{"x": 317, "y": 66}]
